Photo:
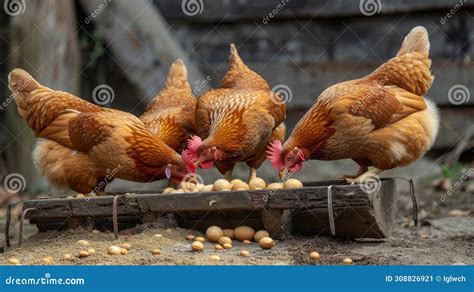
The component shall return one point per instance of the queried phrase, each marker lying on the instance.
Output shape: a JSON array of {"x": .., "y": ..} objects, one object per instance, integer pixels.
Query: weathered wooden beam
[
  {"x": 141, "y": 41},
  {"x": 356, "y": 213}
]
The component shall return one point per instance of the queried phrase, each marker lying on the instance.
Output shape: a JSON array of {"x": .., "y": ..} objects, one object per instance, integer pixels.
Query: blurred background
[{"x": 300, "y": 47}]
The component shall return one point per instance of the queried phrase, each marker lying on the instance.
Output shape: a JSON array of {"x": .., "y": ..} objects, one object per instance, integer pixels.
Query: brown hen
[
  {"x": 83, "y": 146},
  {"x": 237, "y": 121},
  {"x": 381, "y": 121}
]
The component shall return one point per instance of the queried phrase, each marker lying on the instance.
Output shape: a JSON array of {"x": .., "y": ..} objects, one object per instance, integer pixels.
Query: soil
[{"x": 443, "y": 241}]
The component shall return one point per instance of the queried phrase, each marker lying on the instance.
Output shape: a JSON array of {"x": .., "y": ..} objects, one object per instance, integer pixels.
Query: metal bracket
[
  {"x": 8, "y": 222},
  {"x": 115, "y": 216},
  {"x": 332, "y": 226},
  {"x": 413, "y": 198},
  {"x": 22, "y": 220}
]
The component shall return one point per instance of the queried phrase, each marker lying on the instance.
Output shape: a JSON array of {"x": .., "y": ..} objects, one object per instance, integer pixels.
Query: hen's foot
[
  {"x": 370, "y": 173},
  {"x": 362, "y": 170},
  {"x": 101, "y": 193}
]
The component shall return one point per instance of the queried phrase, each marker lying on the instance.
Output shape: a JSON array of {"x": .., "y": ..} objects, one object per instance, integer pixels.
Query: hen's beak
[
  {"x": 199, "y": 161},
  {"x": 283, "y": 173}
]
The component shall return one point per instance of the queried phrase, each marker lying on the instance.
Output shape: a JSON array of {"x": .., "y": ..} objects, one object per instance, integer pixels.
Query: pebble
[
  {"x": 83, "y": 242},
  {"x": 314, "y": 255},
  {"x": 13, "y": 261},
  {"x": 215, "y": 257},
  {"x": 347, "y": 261}
]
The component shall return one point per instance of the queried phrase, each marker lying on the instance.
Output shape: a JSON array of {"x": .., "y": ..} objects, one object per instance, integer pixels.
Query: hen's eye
[{"x": 290, "y": 158}]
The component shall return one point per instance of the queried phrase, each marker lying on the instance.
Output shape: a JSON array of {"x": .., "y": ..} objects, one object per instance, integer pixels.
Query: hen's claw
[{"x": 364, "y": 177}]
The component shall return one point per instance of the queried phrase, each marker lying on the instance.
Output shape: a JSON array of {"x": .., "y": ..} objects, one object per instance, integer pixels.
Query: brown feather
[{"x": 170, "y": 115}]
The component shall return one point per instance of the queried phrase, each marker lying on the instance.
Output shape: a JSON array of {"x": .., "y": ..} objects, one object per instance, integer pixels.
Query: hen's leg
[
  {"x": 226, "y": 169},
  {"x": 362, "y": 169},
  {"x": 228, "y": 175},
  {"x": 252, "y": 173},
  {"x": 370, "y": 173},
  {"x": 172, "y": 184}
]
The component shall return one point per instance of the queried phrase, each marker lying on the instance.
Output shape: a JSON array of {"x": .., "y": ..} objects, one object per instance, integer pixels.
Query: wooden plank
[
  {"x": 244, "y": 10},
  {"x": 357, "y": 214},
  {"x": 372, "y": 219},
  {"x": 329, "y": 51},
  {"x": 203, "y": 202},
  {"x": 352, "y": 223}
]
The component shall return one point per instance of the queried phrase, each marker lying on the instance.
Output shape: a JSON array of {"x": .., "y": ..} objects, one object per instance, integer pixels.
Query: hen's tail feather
[
  {"x": 410, "y": 68},
  {"x": 416, "y": 42},
  {"x": 178, "y": 76},
  {"x": 240, "y": 76},
  {"x": 235, "y": 59},
  {"x": 21, "y": 81}
]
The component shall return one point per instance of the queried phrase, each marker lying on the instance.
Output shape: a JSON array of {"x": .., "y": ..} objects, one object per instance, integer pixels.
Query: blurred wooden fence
[{"x": 305, "y": 45}]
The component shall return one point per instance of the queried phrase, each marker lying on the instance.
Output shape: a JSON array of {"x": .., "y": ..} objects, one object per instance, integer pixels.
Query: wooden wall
[{"x": 310, "y": 45}]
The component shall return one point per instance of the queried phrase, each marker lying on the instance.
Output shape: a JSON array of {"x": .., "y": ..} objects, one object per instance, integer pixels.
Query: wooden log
[
  {"x": 281, "y": 212},
  {"x": 146, "y": 49}
]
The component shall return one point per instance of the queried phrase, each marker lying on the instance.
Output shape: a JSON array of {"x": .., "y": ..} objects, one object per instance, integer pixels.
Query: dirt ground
[
  {"x": 445, "y": 237},
  {"x": 437, "y": 244}
]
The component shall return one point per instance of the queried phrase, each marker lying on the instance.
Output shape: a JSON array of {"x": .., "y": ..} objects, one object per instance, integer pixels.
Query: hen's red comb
[
  {"x": 274, "y": 154},
  {"x": 194, "y": 143}
]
